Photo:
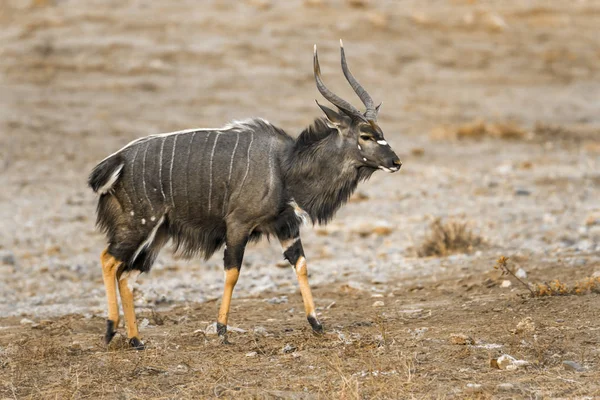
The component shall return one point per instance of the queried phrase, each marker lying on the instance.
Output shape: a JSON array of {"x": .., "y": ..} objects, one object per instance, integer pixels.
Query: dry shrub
[
  {"x": 554, "y": 287},
  {"x": 447, "y": 238},
  {"x": 478, "y": 129}
]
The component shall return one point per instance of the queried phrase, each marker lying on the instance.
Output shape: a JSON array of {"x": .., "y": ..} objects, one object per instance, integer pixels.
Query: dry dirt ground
[{"x": 493, "y": 107}]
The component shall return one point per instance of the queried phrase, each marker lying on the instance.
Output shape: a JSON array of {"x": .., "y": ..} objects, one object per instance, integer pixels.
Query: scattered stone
[
  {"x": 378, "y": 303},
  {"x": 461, "y": 339},
  {"x": 251, "y": 354},
  {"x": 288, "y": 348},
  {"x": 522, "y": 192},
  {"x": 379, "y": 280},
  {"x": 182, "y": 369},
  {"x": 474, "y": 387},
  {"x": 505, "y": 387},
  {"x": 596, "y": 274},
  {"x": 521, "y": 273},
  {"x": 7, "y": 257},
  {"x": 331, "y": 305},
  {"x": 26, "y": 321},
  {"x": 212, "y": 329},
  {"x": 508, "y": 363},
  {"x": 277, "y": 300},
  {"x": 261, "y": 330},
  {"x": 573, "y": 366},
  {"x": 524, "y": 326},
  {"x": 380, "y": 228},
  {"x": 418, "y": 332},
  {"x": 506, "y": 283},
  {"x": 144, "y": 323},
  {"x": 377, "y": 295}
]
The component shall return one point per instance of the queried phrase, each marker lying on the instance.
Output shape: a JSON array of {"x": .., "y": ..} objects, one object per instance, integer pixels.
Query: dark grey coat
[{"x": 198, "y": 187}]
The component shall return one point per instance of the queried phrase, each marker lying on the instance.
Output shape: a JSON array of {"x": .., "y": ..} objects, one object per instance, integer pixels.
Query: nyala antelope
[{"x": 203, "y": 188}]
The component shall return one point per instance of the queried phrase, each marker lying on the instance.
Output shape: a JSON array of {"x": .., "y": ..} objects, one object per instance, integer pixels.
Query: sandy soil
[{"x": 79, "y": 80}]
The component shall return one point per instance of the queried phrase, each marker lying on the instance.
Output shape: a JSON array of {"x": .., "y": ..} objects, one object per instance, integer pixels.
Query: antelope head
[{"x": 361, "y": 134}]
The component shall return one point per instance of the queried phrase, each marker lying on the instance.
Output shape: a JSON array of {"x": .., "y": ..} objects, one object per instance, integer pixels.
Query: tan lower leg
[
  {"x": 109, "y": 273},
  {"x": 128, "y": 308},
  {"x": 231, "y": 277},
  {"x": 307, "y": 298}
]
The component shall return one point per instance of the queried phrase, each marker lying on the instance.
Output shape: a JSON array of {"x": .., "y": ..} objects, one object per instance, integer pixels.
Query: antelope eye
[{"x": 367, "y": 137}]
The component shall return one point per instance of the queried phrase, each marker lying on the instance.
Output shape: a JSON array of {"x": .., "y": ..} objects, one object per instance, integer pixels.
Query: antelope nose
[{"x": 397, "y": 164}]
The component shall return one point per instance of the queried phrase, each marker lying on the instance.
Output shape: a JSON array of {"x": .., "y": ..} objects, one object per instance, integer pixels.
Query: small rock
[
  {"x": 572, "y": 366},
  {"x": 288, "y": 348},
  {"x": 144, "y": 323},
  {"x": 418, "y": 332},
  {"x": 461, "y": 339},
  {"x": 277, "y": 300},
  {"x": 522, "y": 192},
  {"x": 378, "y": 303},
  {"x": 521, "y": 273},
  {"x": 474, "y": 387},
  {"x": 506, "y": 283},
  {"x": 7, "y": 257},
  {"x": 376, "y": 295},
  {"x": 505, "y": 387},
  {"x": 212, "y": 329},
  {"x": 508, "y": 363},
  {"x": 261, "y": 330},
  {"x": 181, "y": 369},
  {"x": 251, "y": 354},
  {"x": 526, "y": 325},
  {"x": 26, "y": 321}
]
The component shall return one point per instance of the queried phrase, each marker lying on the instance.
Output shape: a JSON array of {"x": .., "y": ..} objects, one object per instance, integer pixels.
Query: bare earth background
[{"x": 493, "y": 106}]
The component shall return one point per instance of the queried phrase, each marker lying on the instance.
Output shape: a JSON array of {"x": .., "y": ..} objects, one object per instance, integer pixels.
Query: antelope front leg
[
  {"x": 234, "y": 253},
  {"x": 133, "y": 335},
  {"x": 110, "y": 266},
  {"x": 294, "y": 253}
]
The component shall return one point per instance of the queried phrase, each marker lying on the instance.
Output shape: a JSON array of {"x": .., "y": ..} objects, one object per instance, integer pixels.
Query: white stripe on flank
[
  {"x": 148, "y": 240},
  {"x": 144, "y": 177},
  {"x": 133, "y": 176},
  {"x": 237, "y": 140},
  {"x": 111, "y": 181},
  {"x": 158, "y": 135},
  {"x": 127, "y": 195},
  {"x": 185, "y": 170},
  {"x": 212, "y": 154},
  {"x": 248, "y": 161},
  {"x": 160, "y": 160},
  {"x": 171, "y": 172},
  {"x": 270, "y": 164}
]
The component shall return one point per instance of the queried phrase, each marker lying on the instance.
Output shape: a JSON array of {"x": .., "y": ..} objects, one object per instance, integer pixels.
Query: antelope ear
[{"x": 334, "y": 119}]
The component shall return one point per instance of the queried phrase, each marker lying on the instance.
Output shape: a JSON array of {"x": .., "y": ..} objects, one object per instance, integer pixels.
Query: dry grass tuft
[
  {"x": 447, "y": 238},
  {"x": 554, "y": 287},
  {"x": 479, "y": 129}
]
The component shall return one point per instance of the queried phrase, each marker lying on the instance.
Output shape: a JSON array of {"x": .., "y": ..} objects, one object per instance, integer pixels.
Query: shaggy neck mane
[{"x": 320, "y": 173}]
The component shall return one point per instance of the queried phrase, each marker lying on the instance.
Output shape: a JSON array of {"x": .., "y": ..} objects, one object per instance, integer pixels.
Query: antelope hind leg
[{"x": 110, "y": 267}]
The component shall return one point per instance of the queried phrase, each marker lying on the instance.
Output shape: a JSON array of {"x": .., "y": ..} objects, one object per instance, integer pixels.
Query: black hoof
[
  {"x": 136, "y": 343},
  {"x": 110, "y": 331},
  {"x": 315, "y": 325}
]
